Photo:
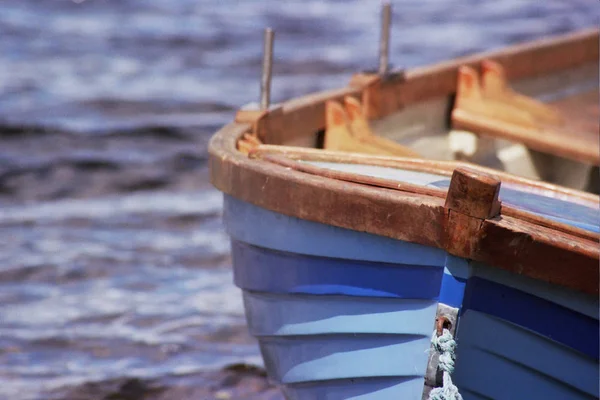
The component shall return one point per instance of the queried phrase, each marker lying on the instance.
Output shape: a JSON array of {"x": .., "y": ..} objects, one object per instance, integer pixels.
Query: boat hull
[
  {"x": 338, "y": 314},
  {"x": 341, "y": 314},
  {"x": 541, "y": 338}
]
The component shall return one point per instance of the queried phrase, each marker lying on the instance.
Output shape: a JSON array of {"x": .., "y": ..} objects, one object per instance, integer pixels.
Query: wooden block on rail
[{"x": 472, "y": 197}]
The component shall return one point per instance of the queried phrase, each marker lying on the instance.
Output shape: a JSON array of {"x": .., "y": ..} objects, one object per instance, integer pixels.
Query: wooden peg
[
  {"x": 493, "y": 79},
  {"x": 472, "y": 197},
  {"x": 252, "y": 139},
  {"x": 473, "y": 193},
  {"x": 244, "y": 146}
]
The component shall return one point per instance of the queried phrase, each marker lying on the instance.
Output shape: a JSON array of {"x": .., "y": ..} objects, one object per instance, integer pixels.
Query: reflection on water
[
  {"x": 113, "y": 261},
  {"x": 134, "y": 284}
]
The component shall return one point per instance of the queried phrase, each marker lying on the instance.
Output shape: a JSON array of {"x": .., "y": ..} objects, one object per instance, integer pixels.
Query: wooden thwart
[{"x": 491, "y": 107}]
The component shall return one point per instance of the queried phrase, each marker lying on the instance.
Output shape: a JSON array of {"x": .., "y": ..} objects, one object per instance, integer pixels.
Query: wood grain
[
  {"x": 473, "y": 194},
  {"x": 516, "y": 241},
  {"x": 569, "y": 128}
]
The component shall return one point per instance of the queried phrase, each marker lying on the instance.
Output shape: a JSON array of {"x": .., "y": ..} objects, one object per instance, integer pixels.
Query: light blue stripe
[
  {"x": 281, "y": 315},
  {"x": 358, "y": 389},
  {"x": 458, "y": 267},
  {"x": 254, "y": 225},
  {"x": 328, "y": 357}
]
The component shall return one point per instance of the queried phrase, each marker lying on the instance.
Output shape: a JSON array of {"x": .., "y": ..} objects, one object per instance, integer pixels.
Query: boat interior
[{"x": 530, "y": 110}]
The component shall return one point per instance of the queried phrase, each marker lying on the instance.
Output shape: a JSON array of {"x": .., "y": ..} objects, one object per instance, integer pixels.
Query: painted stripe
[
  {"x": 328, "y": 357},
  {"x": 263, "y": 270},
  {"x": 357, "y": 389},
  {"x": 300, "y": 314},
  {"x": 558, "y": 323},
  {"x": 568, "y": 298},
  {"x": 248, "y": 223},
  {"x": 519, "y": 351},
  {"x": 499, "y": 379}
]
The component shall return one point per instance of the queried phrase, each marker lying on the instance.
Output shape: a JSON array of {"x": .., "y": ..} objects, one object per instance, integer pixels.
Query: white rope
[{"x": 445, "y": 345}]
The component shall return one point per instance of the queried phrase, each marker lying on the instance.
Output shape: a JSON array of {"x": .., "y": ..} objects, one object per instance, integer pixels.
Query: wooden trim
[
  {"x": 348, "y": 176},
  {"x": 471, "y": 199},
  {"x": 319, "y": 199},
  {"x": 507, "y": 209},
  {"x": 543, "y": 253},
  {"x": 444, "y": 168},
  {"x": 529, "y": 249},
  {"x": 540, "y": 57},
  {"x": 492, "y": 108},
  {"x": 532, "y": 137}
]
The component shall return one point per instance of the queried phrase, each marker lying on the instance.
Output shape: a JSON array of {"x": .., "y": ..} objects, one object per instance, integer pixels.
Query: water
[{"x": 113, "y": 261}]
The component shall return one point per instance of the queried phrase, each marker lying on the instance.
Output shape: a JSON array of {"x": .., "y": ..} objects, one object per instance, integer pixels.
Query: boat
[{"x": 361, "y": 231}]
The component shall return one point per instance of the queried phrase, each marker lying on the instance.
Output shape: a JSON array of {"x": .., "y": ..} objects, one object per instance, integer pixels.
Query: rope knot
[{"x": 445, "y": 345}]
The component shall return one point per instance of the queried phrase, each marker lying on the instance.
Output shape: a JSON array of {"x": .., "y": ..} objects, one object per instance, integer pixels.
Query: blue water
[{"x": 113, "y": 261}]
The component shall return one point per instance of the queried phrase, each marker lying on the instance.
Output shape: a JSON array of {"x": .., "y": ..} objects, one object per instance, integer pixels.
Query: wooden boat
[{"x": 346, "y": 255}]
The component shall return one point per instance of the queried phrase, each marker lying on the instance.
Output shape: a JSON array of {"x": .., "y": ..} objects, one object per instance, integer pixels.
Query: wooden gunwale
[
  {"x": 444, "y": 168},
  {"x": 550, "y": 253},
  {"x": 507, "y": 209},
  {"x": 505, "y": 242}
]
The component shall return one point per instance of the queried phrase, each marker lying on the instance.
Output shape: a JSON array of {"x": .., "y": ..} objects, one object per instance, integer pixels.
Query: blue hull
[
  {"x": 341, "y": 314},
  {"x": 338, "y": 314},
  {"x": 541, "y": 338}
]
